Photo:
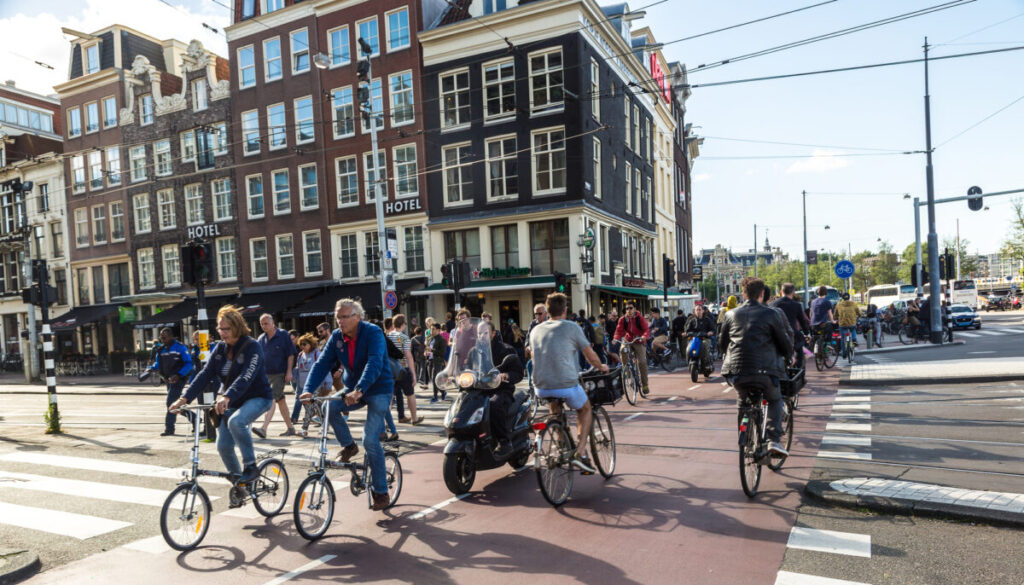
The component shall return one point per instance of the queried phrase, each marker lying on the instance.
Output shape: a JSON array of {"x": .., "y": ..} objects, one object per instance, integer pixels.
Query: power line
[
  {"x": 734, "y": 26},
  {"x": 825, "y": 155},
  {"x": 803, "y": 144},
  {"x": 978, "y": 123},
  {"x": 995, "y": 24}
]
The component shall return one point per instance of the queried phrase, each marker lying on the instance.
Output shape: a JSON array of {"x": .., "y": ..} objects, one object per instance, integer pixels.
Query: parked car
[
  {"x": 964, "y": 317},
  {"x": 997, "y": 303}
]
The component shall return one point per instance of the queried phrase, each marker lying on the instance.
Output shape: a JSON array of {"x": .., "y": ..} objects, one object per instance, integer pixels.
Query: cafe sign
[
  {"x": 633, "y": 282},
  {"x": 510, "y": 272}
]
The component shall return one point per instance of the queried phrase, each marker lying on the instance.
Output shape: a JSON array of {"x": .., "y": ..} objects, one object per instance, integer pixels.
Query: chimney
[{"x": 10, "y": 82}]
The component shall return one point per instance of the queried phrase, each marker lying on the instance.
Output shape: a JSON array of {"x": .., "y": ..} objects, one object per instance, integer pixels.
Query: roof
[{"x": 457, "y": 11}]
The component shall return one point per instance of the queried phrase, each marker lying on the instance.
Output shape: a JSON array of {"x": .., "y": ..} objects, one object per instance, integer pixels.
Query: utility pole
[
  {"x": 918, "y": 268},
  {"x": 958, "y": 248},
  {"x": 32, "y": 355},
  {"x": 755, "y": 250},
  {"x": 934, "y": 306},
  {"x": 807, "y": 292}
]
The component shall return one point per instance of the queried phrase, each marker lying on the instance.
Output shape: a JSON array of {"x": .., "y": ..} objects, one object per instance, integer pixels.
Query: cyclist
[
  {"x": 821, "y": 315},
  {"x": 678, "y": 330},
  {"x": 659, "y": 331},
  {"x": 847, "y": 313},
  {"x": 237, "y": 362},
  {"x": 633, "y": 329},
  {"x": 756, "y": 341},
  {"x": 701, "y": 325},
  {"x": 554, "y": 344},
  {"x": 798, "y": 322}
]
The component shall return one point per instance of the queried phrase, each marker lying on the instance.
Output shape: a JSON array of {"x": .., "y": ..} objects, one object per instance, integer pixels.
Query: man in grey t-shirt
[{"x": 554, "y": 345}]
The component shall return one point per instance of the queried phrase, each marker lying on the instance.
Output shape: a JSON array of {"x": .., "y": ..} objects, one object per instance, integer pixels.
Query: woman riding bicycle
[{"x": 237, "y": 362}]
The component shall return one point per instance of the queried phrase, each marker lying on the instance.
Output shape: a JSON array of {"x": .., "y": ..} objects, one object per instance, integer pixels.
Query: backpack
[
  {"x": 598, "y": 335},
  {"x": 417, "y": 349}
]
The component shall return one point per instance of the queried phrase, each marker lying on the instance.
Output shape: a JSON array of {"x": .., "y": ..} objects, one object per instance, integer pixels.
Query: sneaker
[
  {"x": 645, "y": 390},
  {"x": 259, "y": 433},
  {"x": 583, "y": 464},
  {"x": 416, "y": 421},
  {"x": 380, "y": 501},
  {"x": 777, "y": 450},
  {"x": 167, "y": 434},
  {"x": 249, "y": 474},
  {"x": 433, "y": 400},
  {"x": 289, "y": 433},
  {"x": 405, "y": 420},
  {"x": 388, "y": 437},
  {"x": 348, "y": 453}
]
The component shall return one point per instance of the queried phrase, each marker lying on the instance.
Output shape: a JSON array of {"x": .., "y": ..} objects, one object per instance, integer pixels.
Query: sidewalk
[
  {"x": 935, "y": 372},
  {"x": 105, "y": 384}
]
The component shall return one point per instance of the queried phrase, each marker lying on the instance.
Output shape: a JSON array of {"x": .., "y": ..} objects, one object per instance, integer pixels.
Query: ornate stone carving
[{"x": 196, "y": 57}]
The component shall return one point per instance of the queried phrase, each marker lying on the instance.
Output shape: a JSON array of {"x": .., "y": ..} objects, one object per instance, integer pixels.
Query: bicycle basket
[
  {"x": 603, "y": 388},
  {"x": 794, "y": 382}
]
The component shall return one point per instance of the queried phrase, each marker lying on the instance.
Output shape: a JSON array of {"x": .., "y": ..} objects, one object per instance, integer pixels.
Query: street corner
[
  {"x": 912, "y": 347},
  {"x": 17, "y": 564}
]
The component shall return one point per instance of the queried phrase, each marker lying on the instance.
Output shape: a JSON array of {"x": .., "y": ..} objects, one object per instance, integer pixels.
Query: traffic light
[
  {"x": 561, "y": 283},
  {"x": 668, "y": 267},
  {"x": 950, "y": 266},
  {"x": 462, "y": 273},
  {"x": 32, "y": 296},
  {"x": 446, "y": 276},
  {"x": 197, "y": 264},
  {"x": 943, "y": 268},
  {"x": 974, "y": 200},
  {"x": 363, "y": 71},
  {"x": 38, "y": 270}
]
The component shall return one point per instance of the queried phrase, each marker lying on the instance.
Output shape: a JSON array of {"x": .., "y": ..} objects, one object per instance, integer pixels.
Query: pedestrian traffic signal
[
  {"x": 446, "y": 276},
  {"x": 668, "y": 267},
  {"x": 561, "y": 283},
  {"x": 974, "y": 200},
  {"x": 197, "y": 264}
]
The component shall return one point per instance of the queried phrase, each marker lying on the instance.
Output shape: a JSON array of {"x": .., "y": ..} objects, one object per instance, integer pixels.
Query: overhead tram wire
[
  {"x": 892, "y": 150},
  {"x": 973, "y": 32},
  {"x": 978, "y": 123}
]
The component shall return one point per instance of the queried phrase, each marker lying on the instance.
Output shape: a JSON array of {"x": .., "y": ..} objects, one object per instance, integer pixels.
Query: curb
[
  {"x": 821, "y": 490},
  {"x": 16, "y": 565},
  {"x": 917, "y": 346},
  {"x": 90, "y": 392},
  {"x": 844, "y": 380}
]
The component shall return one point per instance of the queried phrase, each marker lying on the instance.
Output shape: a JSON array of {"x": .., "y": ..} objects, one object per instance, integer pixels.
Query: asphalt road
[{"x": 1000, "y": 335}]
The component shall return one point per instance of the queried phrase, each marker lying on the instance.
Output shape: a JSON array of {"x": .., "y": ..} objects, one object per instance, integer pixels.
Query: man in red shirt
[{"x": 633, "y": 328}]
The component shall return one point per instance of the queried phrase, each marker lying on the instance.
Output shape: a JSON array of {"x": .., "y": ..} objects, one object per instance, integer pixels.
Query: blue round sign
[
  {"x": 390, "y": 300},
  {"x": 844, "y": 269}
]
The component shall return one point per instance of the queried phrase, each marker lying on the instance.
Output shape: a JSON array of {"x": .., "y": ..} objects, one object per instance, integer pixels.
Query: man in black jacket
[
  {"x": 798, "y": 322},
  {"x": 700, "y": 324},
  {"x": 679, "y": 328},
  {"x": 753, "y": 339},
  {"x": 506, "y": 360}
]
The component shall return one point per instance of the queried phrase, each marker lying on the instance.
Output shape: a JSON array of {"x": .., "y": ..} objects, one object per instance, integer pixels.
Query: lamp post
[{"x": 807, "y": 286}]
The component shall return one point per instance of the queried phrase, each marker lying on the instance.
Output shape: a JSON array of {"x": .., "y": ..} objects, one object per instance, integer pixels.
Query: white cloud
[
  {"x": 38, "y": 37},
  {"x": 701, "y": 177},
  {"x": 822, "y": 161}
]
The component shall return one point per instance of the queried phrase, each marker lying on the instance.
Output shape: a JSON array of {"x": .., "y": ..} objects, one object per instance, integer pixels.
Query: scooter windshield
[{"x": 470, "y": 363}]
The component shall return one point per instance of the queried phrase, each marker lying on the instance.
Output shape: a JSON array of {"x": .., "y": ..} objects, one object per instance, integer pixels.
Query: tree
[
  {"x": 885, "y": 270},
  {"x": 1013, "y": 246},
  {"x": 707, "y": 287},
  {"x": 909, "y": 258},
  {"x": 968, "y": 264}
]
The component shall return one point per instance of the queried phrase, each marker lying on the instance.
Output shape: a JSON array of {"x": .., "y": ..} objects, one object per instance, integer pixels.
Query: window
[
  {"x": 349, "y": 256},
  {"x": 627, "y": 126},
  {"x": 188, "y": 146},
  {"x": 145, "y": 110},
  {"x": 162, "y": 154},
  {"x": 254, "y": 194},
  {"x": 282, "y": 197},
  {"x": 221, "y": 199},
  {"x": 299, "y": 41},
  {"x": 456, "y": 174},
  {"x": 406, "y": 181},
  {"x": 74, "y": 122},
  {"x": 251, "y": 132},
  {"x": 338, "y": 46},
  {"x": 595, "y": 90},
  {"x": 499, "y": 89},
  {"x": 371, "y": 176},
  {"x": 92, "y": 117},
  {"x": 109, "y": 112},
  {"x": 172, "y": 265},
  {"x": 82, "y": 276},
  {"x": 272, "y": 5},
  {"x": 95, "y": 170},
  {"x": 277, "y": 134},
  {"x": 463, "y": 245},
  {"x": 637, "y": 186},
  {"x": 502, "y": 168},
  {"x": 272, "y": 59},
  {"x": 114, "y": 165},
  {"x": 120, "y": 285},
  {"x": 368, "y": 32},
  {"x": 454, "y": 99},
  {"x": 312, "y": 253},
  {"x": 44, "y": 196},
  {"x": 165, "y": 209},
  {"x": 636, "y": 129},
  {"x": 629, "y": 189},
  {"x": 304, "y": 120},
  {"x": 60, "y": 281},
  {"x": 372, "y": 254},
  {"x": 376, "y": 105},
  {"x": 246, "y": 67},
  {"x": 343, "y": 112},
  {"x": 92, "y": 59},
  {"x": 413, "y": 248},
  {"x": 99, "y": 224},
  {"x": 227, "y": 262},
  {"x": 98, "y": 295},
  {"x": 147, "y": 273},
  {"x": 78, "y": 173},
  {"x": 199, "y": 98},
  {"x": 505, "y": 246},
  {"x": 220, "y": 144},
  {"x": 400, "y": 93},
  {"x": 650, "y": 141},
  {"x": 548, "y": 161},
  {"x": 143, "y": 223},
  {"x": 546, "y": 80},
  {"x": 285, "y": 256},
  {"x": 605, "y": 249},
  {"x": 57, "y": 239},
  {"x": 398, "y": 29},
  {"x": 258, "y": 259},
  {"x": 309, "y": 198},
  {"x": 81, "y": 227},
  {"x": 137, "y": 156},
  {"x": 117, "y": 221},
  {"x": 348, "y": 181},
  {"x": 194, "y": 204},
  {"x": 549, "y": 246},
  {"x": 597, "y": 168}
]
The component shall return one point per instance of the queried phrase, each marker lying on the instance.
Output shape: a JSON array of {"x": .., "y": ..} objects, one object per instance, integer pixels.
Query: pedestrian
[
  {"x": 449, "y": 322},
  {"x": 279, "y": 354},
  {"x": 540, "y": 314},
  {"x": 598, "y": 331},
  {"x": 308, "y": 354},
  {"x": 404, "y": 386},
  {"x": 174, "y": 363},
  {"x": 419, "y": 346},
  {"x": 438, "y": 350},
  {"x": 294, "y": 335},
  {"x": 611, "y": 322},
  {"x": 323, "y": 333}
]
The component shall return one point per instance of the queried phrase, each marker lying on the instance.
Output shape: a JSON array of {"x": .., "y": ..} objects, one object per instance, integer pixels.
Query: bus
[
  {"x": 832, "y": 295},
  {"x": 965, "y": 292},
  {"x": 907, "y": 292},
  {"x": 881, "y": 295}
]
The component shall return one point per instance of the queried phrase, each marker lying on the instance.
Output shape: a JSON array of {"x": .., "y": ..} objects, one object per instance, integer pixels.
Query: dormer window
[
  {"x": 92, "y": 59},
  {"x": 146, "y": 109}
]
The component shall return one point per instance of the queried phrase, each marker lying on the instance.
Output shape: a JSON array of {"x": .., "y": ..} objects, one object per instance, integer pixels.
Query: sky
[{"x": 869, "y": 113}]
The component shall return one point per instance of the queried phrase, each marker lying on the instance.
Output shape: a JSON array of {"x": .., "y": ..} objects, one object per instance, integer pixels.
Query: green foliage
[
  {"x": 1013, "y": 246},
  {"x": 52, "y": 418},
  {"x": 968, "y": 265}
]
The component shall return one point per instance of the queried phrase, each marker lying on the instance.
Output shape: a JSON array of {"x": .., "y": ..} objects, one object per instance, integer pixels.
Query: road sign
[
  {"x": 390, "y": 300},
  {"x": 844, "y": 269},
  {"x": 812, "y": 257}
]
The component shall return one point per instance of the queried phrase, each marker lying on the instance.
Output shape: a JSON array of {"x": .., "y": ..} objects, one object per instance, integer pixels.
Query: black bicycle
[
  {"x": 669, "y": 359},
  {"x": 753, "y": 429},
  {"x": 185, "y": 516}
]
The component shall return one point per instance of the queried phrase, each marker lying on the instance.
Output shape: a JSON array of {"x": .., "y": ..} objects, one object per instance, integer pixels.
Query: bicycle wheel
[
  {"x": 849, "y": 352},
  {"x": 819, "y": 357},
  {"x": 314, "y": 506},
  {"x": 602, "y": 442},
  {"x": 393, "y": 470},
  {"x": 831, "y": 355},
  {"x": 787, "y": 433},
  {"x": 905, "y": 336},
  {"x": 750, "y": 469},
  {"x": 271, "y": 488},
  {"x": 630, "y": 382},
  {"x": 554, "y": 471},
  {"x": 669, "y": 362},
  {"x": 185, "y": 517}
]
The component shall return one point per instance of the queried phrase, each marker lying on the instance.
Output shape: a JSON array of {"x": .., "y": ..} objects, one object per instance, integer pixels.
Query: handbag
[{"x": 398, "y": 371}]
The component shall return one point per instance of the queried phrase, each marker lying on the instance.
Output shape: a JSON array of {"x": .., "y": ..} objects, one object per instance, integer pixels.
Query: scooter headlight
[
  {"x": 466, "y": 380},
  {"x": 477, "y": 416}
]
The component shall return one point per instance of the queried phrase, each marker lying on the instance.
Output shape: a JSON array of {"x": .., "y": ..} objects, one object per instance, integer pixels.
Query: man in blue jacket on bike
[{"x": 359, "y": 348}]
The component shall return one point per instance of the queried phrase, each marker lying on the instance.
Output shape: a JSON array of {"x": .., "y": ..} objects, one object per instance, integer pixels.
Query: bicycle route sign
[
  {"x": 844, "y": 269},
  {"x": 390, "y": 300}
]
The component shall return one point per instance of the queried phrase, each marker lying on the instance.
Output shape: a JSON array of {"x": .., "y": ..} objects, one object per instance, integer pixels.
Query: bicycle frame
[{"x": 321, "y": 464}]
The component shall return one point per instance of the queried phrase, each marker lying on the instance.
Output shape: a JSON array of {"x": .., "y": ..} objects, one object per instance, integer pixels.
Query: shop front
[
  {"x": 506, "y": 294},
  {"x": 642, "y": 297}
]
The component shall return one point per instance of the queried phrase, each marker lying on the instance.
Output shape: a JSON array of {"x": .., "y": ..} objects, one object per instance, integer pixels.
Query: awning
[
  {"x": 255, "y": 304},
  {"x": 184, "y": 310},
  {"x": 500, "y": 284},
  {"x": 83, "y": 316},
  {"x": 649, "y": 293},
  {"x": 322, "y": 305}
]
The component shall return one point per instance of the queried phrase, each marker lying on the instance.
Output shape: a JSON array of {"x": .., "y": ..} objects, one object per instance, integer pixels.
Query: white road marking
[
  {"x": 979, "y": 352},
  {"x": 632, "y": 416},
  {"x": 441, "y": 442},
  {"x": 1010, "y": 331},
  {"x": 307, "y": 567},
  {"x": 70, "y": 524},
  {"x": 85, "y": 489},
  {"x": 725, "y": 383},
  {"x": 437, "y": 507},
  {"x": 852, "y": 427},
  {"x": 846, "y": 440},
  {"x": 987, "y": 332},
  {"x": 726, "y": 391},
  {"x": 671, "y": 398},
  {"x": 850, "y": 391},
  {"x": 844, "y": 455},
  {"x": 102, "y": 465},
  {"x": 851, "y": 407},
  {"x": 830, "y": 541},
  {"x": 787, "y": 578},
  {"x": 966, "y": 334},
  {"x": 694, "y": 387},
  {"x": 853, "y": 399},
  {"x": 851, "y": 415},
  {"x": 153, "y": 545}
]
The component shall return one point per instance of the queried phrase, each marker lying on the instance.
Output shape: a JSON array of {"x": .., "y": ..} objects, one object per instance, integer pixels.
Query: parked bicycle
[
  {"x": 185, "y": 516},
  {"x": 314, "y": 500}
]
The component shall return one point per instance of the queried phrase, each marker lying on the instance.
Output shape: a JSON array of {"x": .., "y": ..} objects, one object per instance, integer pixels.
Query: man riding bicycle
[
  {"x": 701, "y": 325},
  {"x": 847, "y": 313},
  {"x": 821, "y": 316},
  {"x": 554, "y": 345},
  {"x": 798, "y": 322},
  {"x": 755, "y": 340},
  {"x": 659, "y": 331},
  {"x": 632, "y": 329}
]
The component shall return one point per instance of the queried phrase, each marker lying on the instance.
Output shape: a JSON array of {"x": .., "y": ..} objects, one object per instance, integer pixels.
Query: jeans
[
  {"x": 842, "y": 336},
  {"x": 752, "y": 387},
  {"x": 297, "y": 409},
  {"x": 234, "y": 429},
  {"x": 378, "y": 410},
  {"x": 174, "y": 393}
]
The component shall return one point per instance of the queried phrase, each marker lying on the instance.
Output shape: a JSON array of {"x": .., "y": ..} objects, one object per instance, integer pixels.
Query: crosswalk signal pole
[{"x": 52, "y": 413}]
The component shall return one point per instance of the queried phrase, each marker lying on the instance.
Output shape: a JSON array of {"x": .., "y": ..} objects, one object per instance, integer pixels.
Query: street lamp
[{"x": 321, "y": 61}]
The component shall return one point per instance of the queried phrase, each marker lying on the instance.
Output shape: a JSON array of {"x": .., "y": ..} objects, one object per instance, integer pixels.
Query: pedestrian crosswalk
[
  {"x": 983, "y": 332},
  {"x": 824, "y": 543}
]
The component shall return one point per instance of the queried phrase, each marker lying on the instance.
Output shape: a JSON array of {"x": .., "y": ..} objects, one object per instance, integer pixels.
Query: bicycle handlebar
[{"x": 193, "y": 407}]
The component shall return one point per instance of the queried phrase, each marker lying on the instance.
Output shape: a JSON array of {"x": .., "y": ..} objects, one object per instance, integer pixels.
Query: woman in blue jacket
[{"x": 237, "y": 362}]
